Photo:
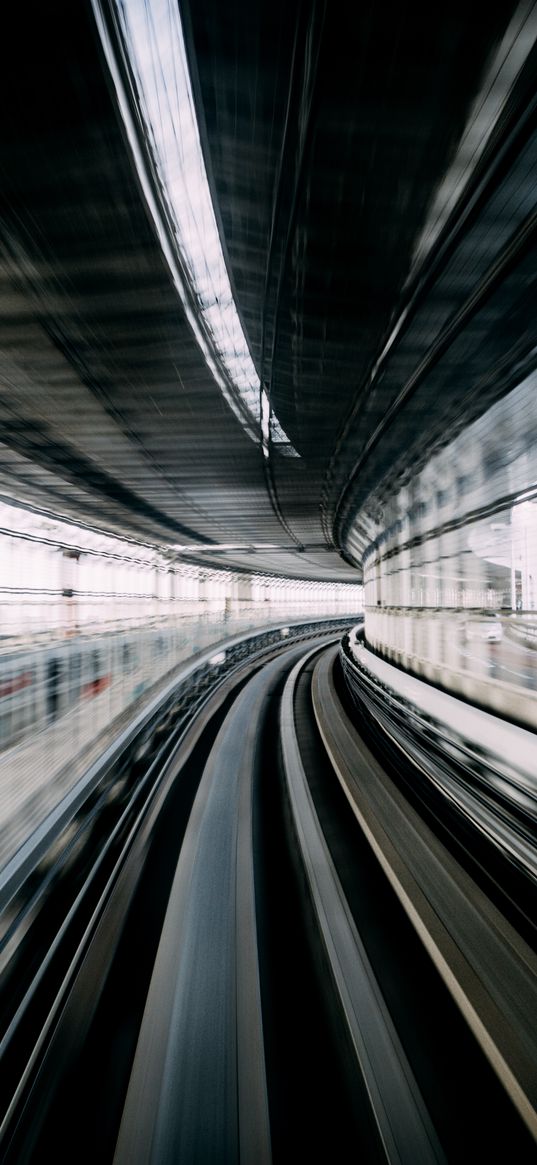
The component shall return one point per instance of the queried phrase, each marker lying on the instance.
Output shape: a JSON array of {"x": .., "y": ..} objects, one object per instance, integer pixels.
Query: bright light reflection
[
  {"x": 57, "y": 578},
  {"x": 189, "y": 549},
  {"x": 154, "y": 39},
  {"x": 21, "y": 522}
]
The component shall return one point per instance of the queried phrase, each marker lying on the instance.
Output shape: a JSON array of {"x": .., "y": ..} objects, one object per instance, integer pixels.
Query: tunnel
[{"x": 268, "y": 582}]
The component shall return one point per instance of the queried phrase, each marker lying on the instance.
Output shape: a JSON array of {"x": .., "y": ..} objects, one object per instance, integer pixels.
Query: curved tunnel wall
[{"x": 450, "y": 572}]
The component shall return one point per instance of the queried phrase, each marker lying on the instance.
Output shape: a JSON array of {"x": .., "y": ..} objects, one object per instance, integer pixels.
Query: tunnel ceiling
[{"x": 331, "y": 135}]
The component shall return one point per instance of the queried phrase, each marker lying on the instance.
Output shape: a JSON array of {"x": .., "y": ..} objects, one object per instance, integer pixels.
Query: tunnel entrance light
[
  {"x": 152, "y": 40},
  {"x": 225, "y": 547}
]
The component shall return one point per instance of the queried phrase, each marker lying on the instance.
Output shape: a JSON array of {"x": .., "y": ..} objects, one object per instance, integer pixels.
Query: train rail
[
  {"x": 480, "y": 770},
  {"x": 485, "y": 963},
  {"x": 281, "y": 957}
]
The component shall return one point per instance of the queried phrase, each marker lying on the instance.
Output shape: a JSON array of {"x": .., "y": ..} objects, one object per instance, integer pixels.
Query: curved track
[{"x": 282, "y": 956}]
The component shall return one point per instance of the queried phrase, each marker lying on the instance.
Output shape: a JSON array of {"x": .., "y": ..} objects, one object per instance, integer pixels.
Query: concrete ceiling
[{"x": 333, "y": 137}]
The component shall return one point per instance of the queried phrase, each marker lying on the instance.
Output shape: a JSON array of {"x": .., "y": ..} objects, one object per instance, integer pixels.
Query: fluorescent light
[{"x": 153, "y": 40}]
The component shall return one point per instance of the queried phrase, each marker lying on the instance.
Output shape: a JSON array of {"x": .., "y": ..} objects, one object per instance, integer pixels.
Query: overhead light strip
[{"x": 153, "y": 41}]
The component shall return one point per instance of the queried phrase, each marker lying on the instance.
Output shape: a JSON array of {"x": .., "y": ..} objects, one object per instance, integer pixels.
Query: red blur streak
[
  {"x": 96, "y": 686},
  {"x": 9, "y": 687}
]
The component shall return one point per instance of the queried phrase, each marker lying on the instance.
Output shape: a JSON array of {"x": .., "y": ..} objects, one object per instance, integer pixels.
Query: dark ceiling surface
[{"x": 330, "y": 133}]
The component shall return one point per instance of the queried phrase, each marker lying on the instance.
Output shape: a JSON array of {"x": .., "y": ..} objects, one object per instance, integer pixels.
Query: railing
[
  {"x": 485, "y": 656},
  {"x": 62, "y": 702}
]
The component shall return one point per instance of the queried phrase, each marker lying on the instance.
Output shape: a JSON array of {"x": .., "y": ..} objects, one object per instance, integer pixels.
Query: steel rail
[
  {"x": 488, "y": 968},
  {"x": 143, "y": 723},
  {"x": 77, "y": 995},
  {"x": 404, "y": 1127},
  {"x": 61, "y": 1032},
  {"x": 501, "y": 808},
  {"x": 198, "y": 1088}
]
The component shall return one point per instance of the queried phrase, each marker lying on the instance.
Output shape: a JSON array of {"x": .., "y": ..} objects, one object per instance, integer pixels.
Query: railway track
[{"x": 280, "y": 958}]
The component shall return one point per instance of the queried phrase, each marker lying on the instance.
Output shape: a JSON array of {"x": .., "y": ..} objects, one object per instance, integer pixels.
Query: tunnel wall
[{"x": 450, "y": 572}]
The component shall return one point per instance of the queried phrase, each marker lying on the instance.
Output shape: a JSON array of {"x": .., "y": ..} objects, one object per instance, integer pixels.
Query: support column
[{"x": 69, "y": 564}]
